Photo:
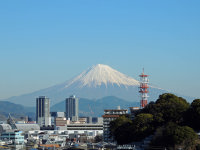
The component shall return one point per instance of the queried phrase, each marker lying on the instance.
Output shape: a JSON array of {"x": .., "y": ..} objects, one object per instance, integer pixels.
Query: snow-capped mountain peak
[
  {"x": 94, "y": 83},
  {"x": 100, "y": 74}
]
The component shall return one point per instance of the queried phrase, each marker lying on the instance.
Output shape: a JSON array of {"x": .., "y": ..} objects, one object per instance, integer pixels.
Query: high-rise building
[
  {"x": 43, "y": 111},
  {"x": 72, "y": 108}
]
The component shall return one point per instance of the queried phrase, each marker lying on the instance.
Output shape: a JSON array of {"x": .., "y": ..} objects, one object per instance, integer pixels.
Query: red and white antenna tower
[{"x": 143, "y": 89}]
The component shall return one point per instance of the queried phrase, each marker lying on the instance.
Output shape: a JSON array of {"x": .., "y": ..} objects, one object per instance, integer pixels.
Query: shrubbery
[{"x": 171, "y": 118}]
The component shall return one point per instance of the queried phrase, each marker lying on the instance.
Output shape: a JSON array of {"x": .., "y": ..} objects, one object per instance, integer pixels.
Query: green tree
[
  {"x": 192, "y": 116},
  {"x": 166, "y": 114},
  {"x": 124, "y": 133},
  {"x": 179, "y": 134},
  {"x": 121, "y": 129},
  {"x": 143, "y": 126},
  {"x": 118, "y": 122},
  {"x": 168, "y": 108},
  {"x": 176, "y": 136},
  {"x": 172, "y": 107},
  {"x": 182, "y": 136},
  {"x": 152, "y": 108}
]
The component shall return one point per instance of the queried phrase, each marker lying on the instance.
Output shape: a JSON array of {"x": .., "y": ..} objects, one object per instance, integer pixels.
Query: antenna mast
[{"x": 143, "y": 89}]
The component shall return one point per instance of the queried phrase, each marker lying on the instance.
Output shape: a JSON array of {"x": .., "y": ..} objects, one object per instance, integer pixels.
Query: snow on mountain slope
[{"x": 102, "y": 74}]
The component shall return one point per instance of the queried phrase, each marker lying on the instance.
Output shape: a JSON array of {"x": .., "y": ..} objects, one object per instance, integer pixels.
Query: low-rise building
[
  {"x": 61, "y": 121},
  {"x": 55, "y": 115},
  {"x": 82, "y": 120},
  {"x": 110, "y": 115},
  {"x": 16, "y": 137},
  {"x": 92, "y": 129}
]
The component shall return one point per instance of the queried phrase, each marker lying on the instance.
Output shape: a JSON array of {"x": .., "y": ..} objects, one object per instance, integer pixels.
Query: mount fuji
[{"x": 96, "y": 82}]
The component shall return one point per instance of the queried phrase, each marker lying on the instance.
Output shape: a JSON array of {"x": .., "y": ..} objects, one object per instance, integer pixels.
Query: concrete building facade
[
  {"x": 72, "y": 108},
  {"x": 43, "y": 111}
]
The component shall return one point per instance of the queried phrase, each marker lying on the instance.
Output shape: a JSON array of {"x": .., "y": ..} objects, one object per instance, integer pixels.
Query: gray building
[
  {"x": 72, "y": 108},
  {"x": 43, "y": 111}
]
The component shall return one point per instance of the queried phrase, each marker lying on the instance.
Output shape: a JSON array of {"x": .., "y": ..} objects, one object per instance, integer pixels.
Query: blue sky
[{"x": 43, "y": 43}]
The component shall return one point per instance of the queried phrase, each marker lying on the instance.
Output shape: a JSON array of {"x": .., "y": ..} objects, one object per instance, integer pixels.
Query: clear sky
[{"x": 43, "y": 43}]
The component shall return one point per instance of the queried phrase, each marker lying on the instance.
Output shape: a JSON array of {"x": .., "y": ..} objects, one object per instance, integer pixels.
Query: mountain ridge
[
  {"x": 95, "y": 108},
  {"x": 16, "y": 110},
  {"x": 96, "y": 82}
]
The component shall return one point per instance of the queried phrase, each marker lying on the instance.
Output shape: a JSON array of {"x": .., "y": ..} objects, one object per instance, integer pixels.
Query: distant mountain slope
[
  {"x": 96, "y": 82},
  {"x": 15, "y": 110},
  {"x": 96, "y": 107},
  {"x": 87, "y": 107}
]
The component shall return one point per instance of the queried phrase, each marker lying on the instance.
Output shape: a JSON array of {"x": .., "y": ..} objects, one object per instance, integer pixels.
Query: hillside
[
  {"x": 15, "y": 110},
  {"x": 89, "y": 107}
]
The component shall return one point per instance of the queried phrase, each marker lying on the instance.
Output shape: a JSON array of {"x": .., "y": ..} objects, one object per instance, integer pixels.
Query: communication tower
[{"x": 143, "y": 89}]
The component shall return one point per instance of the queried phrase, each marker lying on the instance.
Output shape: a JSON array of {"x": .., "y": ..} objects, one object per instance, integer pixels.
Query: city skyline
[{"x": 46, "y": 43}]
